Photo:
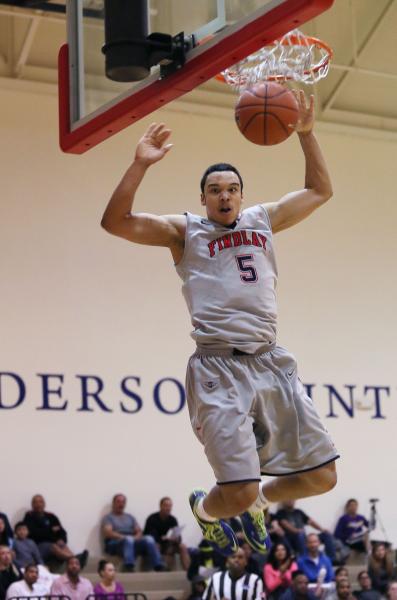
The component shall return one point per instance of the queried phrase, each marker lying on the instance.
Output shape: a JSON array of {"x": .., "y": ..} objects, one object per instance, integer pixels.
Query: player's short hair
[
  {"x": 219, "y": 167},
  {"x": 19, "y": 524}
]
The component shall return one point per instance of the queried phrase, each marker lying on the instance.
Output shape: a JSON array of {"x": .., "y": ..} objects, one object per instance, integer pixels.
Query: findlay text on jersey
[{"x": 235, "y": 239}]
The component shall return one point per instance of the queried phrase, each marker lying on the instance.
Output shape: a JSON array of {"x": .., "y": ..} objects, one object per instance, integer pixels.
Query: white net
[{"x": 293, "y": 57}]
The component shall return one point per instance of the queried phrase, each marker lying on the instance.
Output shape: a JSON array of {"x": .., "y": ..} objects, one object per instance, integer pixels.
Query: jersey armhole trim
[
  {"x": 267, "y": 218},
  {"x": 186, "y": 245}
]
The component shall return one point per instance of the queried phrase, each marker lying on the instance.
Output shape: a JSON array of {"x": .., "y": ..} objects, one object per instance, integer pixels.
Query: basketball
[{"x": 264, "y": 112}]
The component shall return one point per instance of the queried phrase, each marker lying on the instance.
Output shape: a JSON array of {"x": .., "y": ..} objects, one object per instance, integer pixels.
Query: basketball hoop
[{"x": 294, "y": 57}]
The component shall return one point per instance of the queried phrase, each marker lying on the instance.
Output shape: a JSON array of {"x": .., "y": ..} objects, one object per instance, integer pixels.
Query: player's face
[{"x": 222, "y": 197}]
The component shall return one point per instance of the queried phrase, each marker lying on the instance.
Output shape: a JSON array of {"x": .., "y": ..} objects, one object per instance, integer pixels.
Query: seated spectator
[
  {"x": 391, "y": 593},
  {"x": 366, "y": 591},
  {"x": 46, "y": 530},
  {"x": 205, "y": 560},
  {"x": 278, "y": 570},
  {"x": 107, "y": 586},
  {"x": 236, "y": 582},
  {"x": 275, "y": 531},
  {"x": 28, "y": 586},
  {"x": 71, "y": 584},
  {"x": 163, "y": 527},
  {"x": 380, "y": 568},
  {"x": 299, "y": 589},
  {"x": 343, "y": 590},
  {"x": 255, "y": 561},
  {"x": 293, "y": 521},
  {"x": 352, "y": 528},
  {"x": 198, "y": 588},
  {"x": 315, "y": 564},
  {"x": 5, "y": 539},
  {"x": 330, "y": 592},
  {"x": 26, "y": 551},
  {"x": 123, "y": 537},
  {"x": 9, "y": 572},
  {"x": 9, "y": 531}
]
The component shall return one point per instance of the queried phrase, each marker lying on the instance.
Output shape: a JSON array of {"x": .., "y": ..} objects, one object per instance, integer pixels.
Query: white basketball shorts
[{"x": 253, "y": 416}]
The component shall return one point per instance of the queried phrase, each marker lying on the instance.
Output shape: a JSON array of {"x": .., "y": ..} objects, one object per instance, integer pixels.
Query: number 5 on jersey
[{"x": 247, "y": 270}]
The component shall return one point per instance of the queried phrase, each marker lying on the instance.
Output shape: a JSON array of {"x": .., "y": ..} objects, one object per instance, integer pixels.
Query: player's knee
[{"x": 324, "y": 479}]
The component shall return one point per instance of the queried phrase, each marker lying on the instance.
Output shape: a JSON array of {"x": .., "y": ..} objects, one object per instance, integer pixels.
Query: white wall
[{"x": 76, "y": 301}]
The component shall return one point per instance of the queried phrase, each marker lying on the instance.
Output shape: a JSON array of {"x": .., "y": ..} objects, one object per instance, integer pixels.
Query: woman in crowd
[
  {"x": 5, "y": 539},
  {"x": 352, "y": 528},
  {"x": 108, "y": 586},
  {"x": 277, "y": 573},
  {"x": 380, "y": 568}
]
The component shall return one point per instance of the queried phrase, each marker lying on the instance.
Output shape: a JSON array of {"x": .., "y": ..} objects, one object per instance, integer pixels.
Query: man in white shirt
[{"x": 28, "y": 586}]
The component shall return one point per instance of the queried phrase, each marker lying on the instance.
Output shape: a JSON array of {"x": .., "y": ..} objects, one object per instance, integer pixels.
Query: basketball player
[{"x": 246, "y": 403}]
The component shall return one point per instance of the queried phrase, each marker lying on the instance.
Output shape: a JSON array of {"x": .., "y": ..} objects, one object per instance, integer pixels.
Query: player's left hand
[{"x": 306, "y": 112}]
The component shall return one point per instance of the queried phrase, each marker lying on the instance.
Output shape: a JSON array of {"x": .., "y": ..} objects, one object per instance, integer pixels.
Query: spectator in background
[
  {"x": 278, "y": 570},
  {"x": 391, "y": 593},
  {"x": 205, "y": 560},
  {"x": 366, "y": 591},
  {"x": 107, "y": 586},
  {"x": 5, "y": 539},
  {"x": 380, "y": 568},
  {"x": 71, "y": 584},
  {"x": 46, "y": 530},
  {"x": 164, "y": 528},
  {"x": 330, "y": 594},
  {"x": 293, "y": 521},
  {"x": 26, "y": 551},
  {"x": 343, "y": 590},
  {"x": 9, "y": 531},
  {"x": 299, "y": 589},
  {"x": 198, "y": 588},
  {"x": 234, "y": 583},
  {"x": 123, "y": 537},
  {"x": 274, "y": 529},
  {"x": 315, "y": 564},
  {"x": 28, "y": 586},
  {"x": 352, "y": 528},
  {"x": 255, "y": 561},
  {"x": 9, "y": 572}
]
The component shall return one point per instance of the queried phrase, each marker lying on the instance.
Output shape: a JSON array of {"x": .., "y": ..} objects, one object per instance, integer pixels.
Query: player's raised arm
[
  {"x": 296, "y": 206},
  {"x": 142, "y": 228}
]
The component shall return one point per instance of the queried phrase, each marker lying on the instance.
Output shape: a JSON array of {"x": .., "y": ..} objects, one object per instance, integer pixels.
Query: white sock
[
  {"x": 261, "y": 503},
  {"x": 201, "y": 512}
]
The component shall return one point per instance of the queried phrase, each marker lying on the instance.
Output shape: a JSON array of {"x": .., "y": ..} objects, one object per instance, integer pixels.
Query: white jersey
[{"x": 229, "y": 281}]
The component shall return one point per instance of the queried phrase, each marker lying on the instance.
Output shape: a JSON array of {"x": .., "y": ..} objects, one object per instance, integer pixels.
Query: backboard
[{"x": 216, "y": 34}]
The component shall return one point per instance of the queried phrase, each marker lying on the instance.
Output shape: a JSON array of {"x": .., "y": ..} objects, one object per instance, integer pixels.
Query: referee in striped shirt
[{"x": 235, "y": 583}]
